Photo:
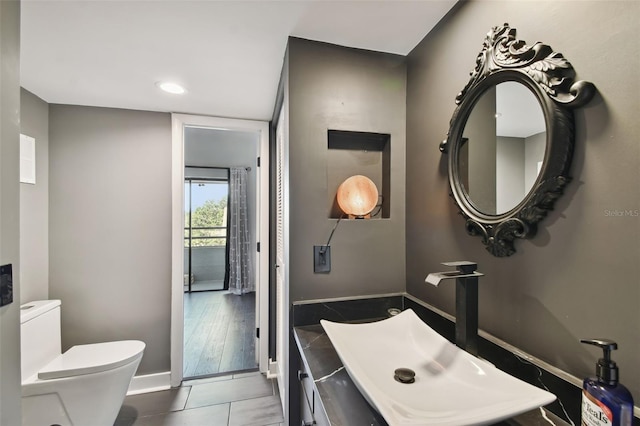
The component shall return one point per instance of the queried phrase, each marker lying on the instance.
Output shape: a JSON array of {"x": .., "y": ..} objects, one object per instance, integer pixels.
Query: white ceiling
[
  {"x": 518, "y": 112},
  {"x": 228, "y": 54}
]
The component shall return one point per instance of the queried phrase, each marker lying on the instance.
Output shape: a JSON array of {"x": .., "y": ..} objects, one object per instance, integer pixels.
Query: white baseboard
[
  {"x": 272, "y": 372},
  {"x": 150, "y": 383}
]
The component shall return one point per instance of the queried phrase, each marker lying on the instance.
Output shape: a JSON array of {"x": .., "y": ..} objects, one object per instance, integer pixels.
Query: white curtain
[{"x": 241, "y": 278}]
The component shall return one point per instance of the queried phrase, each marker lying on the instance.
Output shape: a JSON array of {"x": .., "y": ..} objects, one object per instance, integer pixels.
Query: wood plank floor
[{"x": 219, "y": 333}]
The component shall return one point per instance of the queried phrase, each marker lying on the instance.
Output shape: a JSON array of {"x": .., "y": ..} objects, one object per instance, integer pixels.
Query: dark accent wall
[
  {"x": 337, "y": 88},
  {"x": 578, "y": 277}
]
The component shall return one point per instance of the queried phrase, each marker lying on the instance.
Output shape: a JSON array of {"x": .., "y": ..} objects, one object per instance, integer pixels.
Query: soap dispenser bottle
[{"x": 605, "y": 402}]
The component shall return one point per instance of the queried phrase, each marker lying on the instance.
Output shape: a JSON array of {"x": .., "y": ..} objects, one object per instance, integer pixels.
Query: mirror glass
[{"x": 503, "y": 147}]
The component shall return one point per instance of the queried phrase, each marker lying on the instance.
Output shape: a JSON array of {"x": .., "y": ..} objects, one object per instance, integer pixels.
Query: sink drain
[
  {"x": 393, "y": 311},
  {"x": 404, "y": 375}
]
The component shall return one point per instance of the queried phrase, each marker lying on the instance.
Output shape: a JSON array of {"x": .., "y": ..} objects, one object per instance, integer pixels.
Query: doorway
[
  {"x": 207, "y": 318},
  {"x": 219, "y": 322}
]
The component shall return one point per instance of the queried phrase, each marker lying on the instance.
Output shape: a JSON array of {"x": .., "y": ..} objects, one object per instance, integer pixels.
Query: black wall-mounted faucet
[{"x": 466, "y": 301}]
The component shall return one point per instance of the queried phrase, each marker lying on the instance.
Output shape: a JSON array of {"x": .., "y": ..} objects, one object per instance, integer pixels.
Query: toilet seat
[{"x": 92, "y": 358}]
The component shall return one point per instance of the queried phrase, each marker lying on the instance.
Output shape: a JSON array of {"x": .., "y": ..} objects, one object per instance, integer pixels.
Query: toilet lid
[{"x": 93, "y": 358}]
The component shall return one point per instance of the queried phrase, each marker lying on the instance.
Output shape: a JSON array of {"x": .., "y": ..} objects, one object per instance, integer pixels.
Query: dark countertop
[{"x": 343, "y": 403}]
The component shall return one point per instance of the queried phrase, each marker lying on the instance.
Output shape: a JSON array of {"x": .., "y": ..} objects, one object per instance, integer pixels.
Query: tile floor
[{"x": 245, "y": 399}]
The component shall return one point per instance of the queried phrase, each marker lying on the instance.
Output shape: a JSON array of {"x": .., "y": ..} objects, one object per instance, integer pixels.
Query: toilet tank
[{"x": 39, "y": 335}]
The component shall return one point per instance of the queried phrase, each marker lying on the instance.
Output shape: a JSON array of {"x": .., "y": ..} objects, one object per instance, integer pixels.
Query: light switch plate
[{"x": 321, "y": 259}]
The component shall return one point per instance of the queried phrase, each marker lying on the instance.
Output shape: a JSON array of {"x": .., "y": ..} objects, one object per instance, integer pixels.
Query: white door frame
[{"x": 178, "y": 123}]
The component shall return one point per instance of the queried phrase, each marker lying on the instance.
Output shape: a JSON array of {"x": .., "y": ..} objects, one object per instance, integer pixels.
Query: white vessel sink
[{"x": 451, "y": 386}]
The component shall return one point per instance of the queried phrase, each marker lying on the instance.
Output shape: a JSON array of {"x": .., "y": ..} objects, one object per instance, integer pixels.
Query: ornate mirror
[{"x": 510, "y": 139}]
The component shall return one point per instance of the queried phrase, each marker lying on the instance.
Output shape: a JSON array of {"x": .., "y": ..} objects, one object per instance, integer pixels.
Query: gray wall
[
  {"x": 34, "y": 203},
  {"x": 10, "y": 208},
  {"x": 480, "y": 129},
  {"x": 578, "y": 277},
  {"x": 332, "y": 87},
  {"x": 110, "y": 227},
  {"x": 517, "y": 168},
  {"x": 510, "y": 173},
  {"x": 534, "y": 147}
]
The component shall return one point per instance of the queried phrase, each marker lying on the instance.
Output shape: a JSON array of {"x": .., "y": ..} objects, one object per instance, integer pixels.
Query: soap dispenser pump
[{"x": 605, "y": 402}]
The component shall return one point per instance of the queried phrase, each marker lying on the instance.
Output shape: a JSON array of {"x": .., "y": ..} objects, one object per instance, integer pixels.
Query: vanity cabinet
[
  {"x": 306, "y": 413},
  {"x": 322, "y": 392},
  {"x": 328, "y": 396},
  {"x": 311, "y": 409}
]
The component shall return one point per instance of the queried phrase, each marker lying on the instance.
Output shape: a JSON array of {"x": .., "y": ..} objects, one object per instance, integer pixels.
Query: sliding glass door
[{"x": 205, "y": 234}]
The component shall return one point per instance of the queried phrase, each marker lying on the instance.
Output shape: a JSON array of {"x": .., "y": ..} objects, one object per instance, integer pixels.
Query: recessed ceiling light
[{"x": 170, "y": 87}]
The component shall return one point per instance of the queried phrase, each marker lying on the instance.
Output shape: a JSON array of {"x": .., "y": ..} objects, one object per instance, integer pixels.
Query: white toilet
[{"x": 84, "y": 386}]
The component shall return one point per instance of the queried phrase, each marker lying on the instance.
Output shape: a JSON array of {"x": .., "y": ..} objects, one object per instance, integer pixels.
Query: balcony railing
[
  {"x": 204, "y": 255},
  {"x": 205, "y": 236}
]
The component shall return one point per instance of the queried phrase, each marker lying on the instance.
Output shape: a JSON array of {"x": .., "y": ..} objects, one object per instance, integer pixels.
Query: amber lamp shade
[{"x": 357, "y": 196}]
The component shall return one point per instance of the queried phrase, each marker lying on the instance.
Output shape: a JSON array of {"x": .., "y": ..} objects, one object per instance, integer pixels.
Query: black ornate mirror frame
[{"x": 551, "y": 79}]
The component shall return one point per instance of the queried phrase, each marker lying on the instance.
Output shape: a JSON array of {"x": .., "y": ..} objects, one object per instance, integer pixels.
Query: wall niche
[{"x": 359, "y": 153}]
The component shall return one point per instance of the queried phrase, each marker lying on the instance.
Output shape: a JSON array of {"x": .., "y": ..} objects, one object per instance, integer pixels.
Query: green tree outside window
[{"x": 211, "y": 213}]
